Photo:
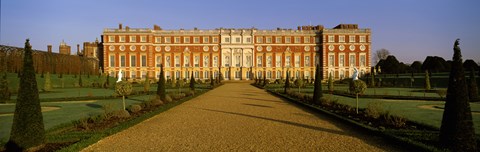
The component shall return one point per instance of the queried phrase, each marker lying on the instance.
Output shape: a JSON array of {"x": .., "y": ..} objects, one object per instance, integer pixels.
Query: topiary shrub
[
  {"x": 190, "y": 93},
  {"x": 120, "y": 114},
  {"x": 28, "y": 130},
  {"x": 393, "y": 120},
  {"x": 168, "y": 98},
  {"x": 374, "y": 110},
  {"x": 134, "y": 108}
]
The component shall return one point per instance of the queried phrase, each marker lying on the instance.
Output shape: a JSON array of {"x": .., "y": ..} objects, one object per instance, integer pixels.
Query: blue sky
[{"x": 410, "y": 29}]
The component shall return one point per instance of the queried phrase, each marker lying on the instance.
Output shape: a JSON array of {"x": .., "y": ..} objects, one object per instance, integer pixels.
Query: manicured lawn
[
  {"x": 68, "y": 112},
  {"x": 414, "y": 110}
]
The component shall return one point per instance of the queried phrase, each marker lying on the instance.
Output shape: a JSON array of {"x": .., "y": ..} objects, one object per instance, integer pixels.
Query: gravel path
[{"x": 240, "y": 117}]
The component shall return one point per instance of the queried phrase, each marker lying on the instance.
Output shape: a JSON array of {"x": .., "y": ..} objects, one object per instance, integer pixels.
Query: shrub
[
  {"x": 394, "y": 120},
  {"x": 168, "y": 98},
  {"x": 96, "y": 118},
  {"x": 190, "y": 93},
  {"x": 28, "y": 130},
  {"x": 82, "y": 123},
  {"x": 134, "y": 108},
  {"x": 107, "y": 109},
  {"x": 120, "y": 114},
  {"x": 374, "y": 110},
  {"x": 441, "y": 93}
]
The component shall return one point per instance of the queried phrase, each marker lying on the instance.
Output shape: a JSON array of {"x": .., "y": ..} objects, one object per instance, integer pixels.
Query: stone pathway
[{"x": 240, "y": 117}]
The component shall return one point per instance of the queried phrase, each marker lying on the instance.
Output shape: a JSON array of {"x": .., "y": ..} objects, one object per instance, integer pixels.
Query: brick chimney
[
  {"x": 49, "y": 48},
  {"x": 78, "y": 49},
  {"x": 120, "y": 26}
]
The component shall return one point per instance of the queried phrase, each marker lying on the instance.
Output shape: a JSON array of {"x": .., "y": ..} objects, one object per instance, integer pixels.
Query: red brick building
[{"x": 238, "y": 53}]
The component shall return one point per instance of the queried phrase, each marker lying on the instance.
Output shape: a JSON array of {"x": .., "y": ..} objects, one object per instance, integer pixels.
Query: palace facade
[{"x": 239, "y": 54}]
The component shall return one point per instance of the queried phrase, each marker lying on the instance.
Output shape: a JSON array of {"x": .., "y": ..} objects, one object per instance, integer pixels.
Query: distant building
[
  {"x": 64, "y": 48},
  {"x": 90, "y": 49},
  {"x": 239, "y": 54}
]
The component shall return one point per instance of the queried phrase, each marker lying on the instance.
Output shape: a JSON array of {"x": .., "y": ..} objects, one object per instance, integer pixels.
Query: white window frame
[
  {"x": 143, "y": 38},
  {"x": 297, "y": 61},
  {"x": 278, "y": 39},
  {"x": 111, "y": 38},
  {"x": 331, "y": 60},
  {"x": 158, "y": 39},
  {"x": 215, "y": 40},
  {"x": 298, "y": 40},
  {"x": 259, "y": 61},
  {"x": 186, "y": 39},
  {"x": 341, "y": 38},
  {"x": 307, "y": 61},
  {"x": 268, "y": 40},
  {"x": 351, "y": 39},
  {"x": 123, "y": 61},
  {"x": 363, "y": 39},
  {"x": 112, "y": 61},
  {"x": 206, "y": 60},
  {"x": 186, "y": 61},
  {"x": 278, "y": 61},
  {"x": 331, "y": 38},
  {"x": 351, "y": 60},
  {"x": 121, "y": 39},
  {"x": 306, "y": 39},
  {"x": 341, "y": 60},
  {"x": 196, "y": 39},
  {"x": 227, "y": 40},
  {"x": 133, "y": 39},
  {"x": 259, "y": 39},
  {"x": 269, "y": 61},
  {"x": 196, "y": 61},
  {"x": 143, "y": 62},
  {"x": 206, "y": 39},
  {"x": 288, "y": 39},
  {"x": 176, "y": 40},
  {"x": 177, "y": 61},
  {"x": 133, "y": 58},
  {"x": 168, "y": 40},
  {"x": 215, "y": 61}
]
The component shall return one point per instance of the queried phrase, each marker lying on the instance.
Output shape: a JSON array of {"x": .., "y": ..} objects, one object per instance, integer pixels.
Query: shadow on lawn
[
  {"x": 283, "y": 121},
  {"x": 92, "y": 105},
  {"x": 257, "y": 105}
]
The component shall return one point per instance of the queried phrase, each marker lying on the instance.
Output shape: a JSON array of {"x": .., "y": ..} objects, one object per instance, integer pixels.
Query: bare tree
[{"x": 381, "y": 54}]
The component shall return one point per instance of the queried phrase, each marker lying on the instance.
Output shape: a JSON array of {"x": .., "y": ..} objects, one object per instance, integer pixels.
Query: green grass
[
  {"x": 75, "y": 110},
  {"x": 409, "y": 109}
]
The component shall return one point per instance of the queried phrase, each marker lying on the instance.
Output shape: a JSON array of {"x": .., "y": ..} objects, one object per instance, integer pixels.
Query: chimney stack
[
  {"x": 78, "y": 49},
  {"x": 49, "y": 48},
  {"x": 120, "y": 26}
]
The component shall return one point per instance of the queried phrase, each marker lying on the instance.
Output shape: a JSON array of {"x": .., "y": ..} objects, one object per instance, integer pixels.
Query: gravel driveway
[{"x": 240, "y": 117}]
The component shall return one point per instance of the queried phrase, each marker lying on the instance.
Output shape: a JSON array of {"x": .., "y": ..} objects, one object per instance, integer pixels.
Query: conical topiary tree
[
  {"x": 317, "y": 90},
  {"x": 472, "y": 87},
  {"x": 192, "y": 83},
  {"x": 146, "y": 85},
  {"x": 372, "y": 77},
  {"x": 4, "y": 92},
  {"x": 161, "y": 85},
  {"x": 427, "y": 81},
  {"x": 212, "y": 83},
  {"x": 264, "y": 80},
  {"x": 287, "y": 84},
  {"x": 80, "y": 83},
  {"x": 47, "y": 86},
  {"x": 330, "y": 83},
  {"x": 457, "y": 132},
  {"x": 27, "y": 128}
]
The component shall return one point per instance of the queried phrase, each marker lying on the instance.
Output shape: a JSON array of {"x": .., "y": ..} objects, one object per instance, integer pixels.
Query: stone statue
[
  {"x": 355, "y": 74},
  {"x": 120, "y": 75},
  {"x": 456, "y": 50}
]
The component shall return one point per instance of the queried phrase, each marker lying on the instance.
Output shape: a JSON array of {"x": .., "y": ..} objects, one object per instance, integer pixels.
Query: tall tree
[
  {"x": 161, "y": 84},
  {"x": 317, "y": 90},
  {"x": 146, "y": 85},
  {"x": 427, "y": 80},
  {"x": 472, "y": 87},
  {"x": 330, "y": 83},
  {"x": 416, "y": 67},
  {"x": 381, "y": 54},
  {"x": 4, "y": 92},
  {"x": 457, "y": 132},
  {"x": 27, "y": 128},
  {"x": 470, "y": 64},
  {"x": 192, "y": 83},
  {"x": 287, "y": 83},
  {"x": 47, "y": 86}
]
